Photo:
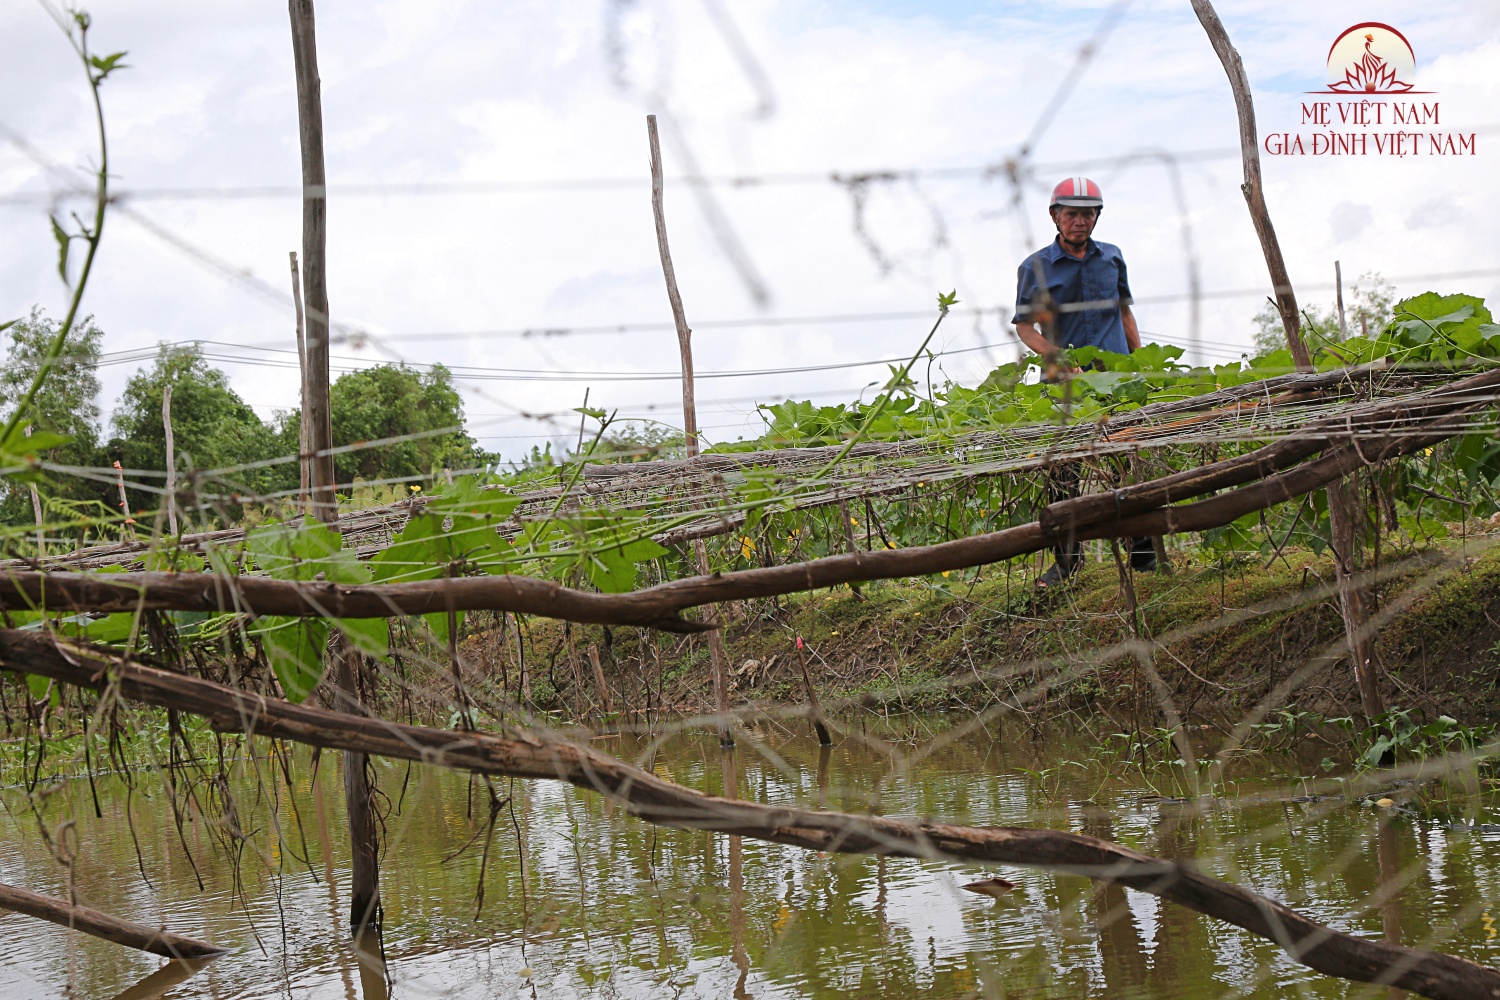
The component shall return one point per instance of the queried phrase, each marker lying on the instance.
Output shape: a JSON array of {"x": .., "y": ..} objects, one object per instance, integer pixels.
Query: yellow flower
[
  {"x": 946, "y": 572},
  {"x": 747, "y": 547},
  {"x": 853, "y": 522},
  {"x": 416, "y": 489}
]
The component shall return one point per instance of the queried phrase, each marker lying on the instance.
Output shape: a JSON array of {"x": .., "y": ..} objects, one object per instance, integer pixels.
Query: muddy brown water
[{"x": 581, "y": 901}]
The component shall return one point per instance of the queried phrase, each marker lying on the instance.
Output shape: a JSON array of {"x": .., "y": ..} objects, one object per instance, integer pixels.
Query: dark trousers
[{"x": 1063, "y": 483}]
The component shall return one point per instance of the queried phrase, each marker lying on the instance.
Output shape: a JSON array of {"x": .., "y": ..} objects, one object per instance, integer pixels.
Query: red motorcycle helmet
[{"x": 1077, "y": 192}]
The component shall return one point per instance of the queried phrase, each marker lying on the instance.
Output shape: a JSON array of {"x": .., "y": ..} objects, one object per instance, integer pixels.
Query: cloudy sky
[{"x": 489, "y": 176}]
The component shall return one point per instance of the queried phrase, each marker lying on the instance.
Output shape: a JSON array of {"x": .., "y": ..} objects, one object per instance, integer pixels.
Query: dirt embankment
[{"x": 1229, "y": 637}]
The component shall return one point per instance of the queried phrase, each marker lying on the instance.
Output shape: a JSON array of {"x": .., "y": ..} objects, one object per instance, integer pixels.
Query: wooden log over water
[
  {"x": 538, "y": 755},
  {"x": 157, "y": 941}
]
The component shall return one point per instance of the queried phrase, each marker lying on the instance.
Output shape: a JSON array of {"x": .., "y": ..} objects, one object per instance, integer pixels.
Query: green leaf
[
  {"x": 64, "y": 241},
  {"x": 371, "y": 636},
  {"x": 295, "y": 648},
  {"x": 112, "y": 629},
  {"x": 612, "y": 570},
  {"x": 8, "y": 324},
  {"x": 106, "y": 65},
  {"x": 37, "y": 685}
]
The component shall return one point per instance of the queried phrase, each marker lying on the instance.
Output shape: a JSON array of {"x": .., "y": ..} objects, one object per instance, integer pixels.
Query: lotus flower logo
[{"x": 1371, "y": 58}]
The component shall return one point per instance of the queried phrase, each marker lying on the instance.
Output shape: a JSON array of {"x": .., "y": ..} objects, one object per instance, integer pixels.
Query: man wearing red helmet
[
  {"x": 1087, "y": 299},
  {"x": 1074, "y": 292}
]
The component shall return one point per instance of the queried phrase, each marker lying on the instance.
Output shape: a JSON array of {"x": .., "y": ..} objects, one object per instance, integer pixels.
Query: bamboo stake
[
  {"x": 1342, "y": 516},
  {"x": 304, "y": 460},
  {"x": 126, "y": 531},
  {"x": 171, "y": 490},
  {"x": 537, "y": 755},
  {"x": 605, "y": 698},
  {"x": 157, "y": 941},
  {"x": 813, "y": 707},
  {"x": 717, "y": 654},
  {"x": 1338, "y": 285},
  {"x": 364, "y": 889},
  {"x": 36, "y": 512}
]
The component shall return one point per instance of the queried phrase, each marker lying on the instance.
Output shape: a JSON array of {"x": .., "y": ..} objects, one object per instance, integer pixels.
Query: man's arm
[
  {"x": 1034, "y": 339},
  {"x": 1132, "y": 332}
]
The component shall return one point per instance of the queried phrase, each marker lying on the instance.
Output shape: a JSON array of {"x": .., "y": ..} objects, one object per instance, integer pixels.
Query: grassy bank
[{"x": 1229, "y": 634}]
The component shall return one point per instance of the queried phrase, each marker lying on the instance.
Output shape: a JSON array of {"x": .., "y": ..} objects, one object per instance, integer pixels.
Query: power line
[{"x": 575, "y": 185}]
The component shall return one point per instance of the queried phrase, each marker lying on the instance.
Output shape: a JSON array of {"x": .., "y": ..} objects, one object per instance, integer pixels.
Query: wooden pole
[
  {"x": 171, "y": 490},
  {"x": 364, "y": 889},
  {"x": 1286, "y": 300},
  {"x": 304, "y": 460},
  {"x": 1341, "y": 509},
  {"x": 93, "y": 922},
  {"x": 717, "y": 653}
]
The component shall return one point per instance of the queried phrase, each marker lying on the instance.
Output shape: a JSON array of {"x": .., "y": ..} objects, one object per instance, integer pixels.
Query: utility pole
[
  {"x": 364, "y": 893},
  {"x": 716, "y": 650}
]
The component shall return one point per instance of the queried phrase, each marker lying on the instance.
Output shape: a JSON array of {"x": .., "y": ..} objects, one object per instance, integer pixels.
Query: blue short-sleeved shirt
[{"x": 1097, "y": 282}]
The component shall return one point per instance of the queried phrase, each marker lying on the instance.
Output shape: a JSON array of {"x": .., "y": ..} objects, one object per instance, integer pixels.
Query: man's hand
[
  {"x": 1043, "y": 348},
  {"x": 1132, "y": 332}
]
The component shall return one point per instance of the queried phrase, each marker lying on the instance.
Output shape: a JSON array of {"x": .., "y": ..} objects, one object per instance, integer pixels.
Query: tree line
[{"x": 213, "y": 427}]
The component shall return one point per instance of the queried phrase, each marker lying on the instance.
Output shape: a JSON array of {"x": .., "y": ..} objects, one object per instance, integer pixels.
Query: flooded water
[{"x": 580, "y": 901}]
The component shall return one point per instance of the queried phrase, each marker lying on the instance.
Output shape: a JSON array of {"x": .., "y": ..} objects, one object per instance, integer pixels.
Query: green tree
[
  {"x": 66, "y": 404},
  {"x": 422, "y": 411},
  {"x": 212, "y": 428},
  {"x": 1367, "y": 309}
]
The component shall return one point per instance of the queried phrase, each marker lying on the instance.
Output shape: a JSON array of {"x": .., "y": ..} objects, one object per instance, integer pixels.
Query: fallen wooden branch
[
  {"x": 157, "y": 941},
  {"x": 527, "y": 754}
]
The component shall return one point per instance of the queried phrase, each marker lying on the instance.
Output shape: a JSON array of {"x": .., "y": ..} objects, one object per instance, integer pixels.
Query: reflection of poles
[
  {"x": 1119, "y": 944},
  {"x": 737, "y": 955},
  {"x": 824, "y": 752},
  {"x": 333, "y": 892},
  {"x": 1388, "y": 856},
  {"x": 689, "y": 425}
]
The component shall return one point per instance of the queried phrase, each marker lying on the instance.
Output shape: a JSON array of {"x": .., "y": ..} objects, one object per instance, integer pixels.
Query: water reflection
[{"x": 582, "y": 901}]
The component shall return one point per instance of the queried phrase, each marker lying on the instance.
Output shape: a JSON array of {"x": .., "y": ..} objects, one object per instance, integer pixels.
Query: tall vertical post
[
  {"x": 717, "y": 653},
  {"x": 364, "y": 890},
  {"x": 1341, "y": 511},
  {"x": 170, "y": 493}
]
